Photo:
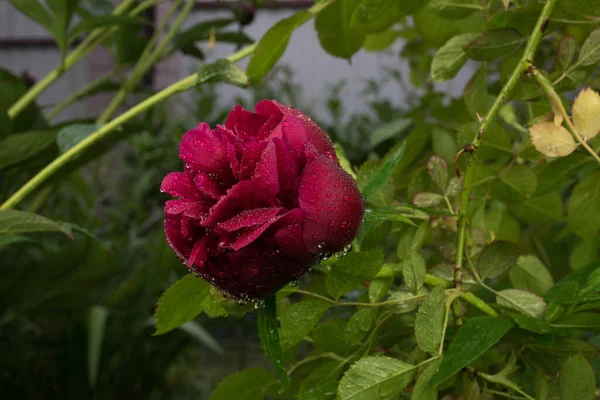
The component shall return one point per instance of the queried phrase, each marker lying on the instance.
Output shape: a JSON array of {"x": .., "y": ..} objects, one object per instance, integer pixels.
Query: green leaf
[
  {"x": 584, "y": 7},
  {"x": 386, "y": 170},
  {"x": 5, "y": 240},
  {"x": 322, "y": 382},
  {"x": 13, "y": 88},
  {"x": 97, "y": 316},
  {"x": 567, "y": 290},
  {"x": 184, "y": 301},
  {"x": 376, "y": 15},
  {"x": 433, "y": 28},
  {"x": 531, "y": 274},
  {"x": 523, "y": 301},
  {"x": 565, "y": 53},
  {"x": 330, "y": 336},
  {"x": 335, "y": 34},
  {"x": 359, "y": 324},
  {"x": 70, "y": 135},
  {"x": 92, "y": 23},
  {"x": 36, "y": 12},
  {"x": 494, "y": 44},
  {"x": 477, "y": 335},
  {"x": 351, "y": 271},
  {"x": 424, "y": 390},
  {"x": 429, "y": 323},
  {"x": 521, "y": 179},
  {"x": 577, "y": 379},
  {"x": 375, "y": 377},
  {"x": 383, "y": 214},
  {"x": 427, "y": 199},
  {"x": 247, "y": 384},
  {"x": 543, "y": 209},
  {"x": 476, "y": 94},
  {"x": 413, "y": 270},
  {"x": 221, "y": 71},
  {"x": 450, "y": 58},
  {"x": 380, "y": 41},
  {"x": 385, "y": 194},
  {"x": 378, "y": 288},
  {"x": 389, "y": 130},
  {"x": 497, "y": 258},
  {"x": 455, "y": 9},
  {"x": 269, "y": 339},
  {"x": 584, "y": 252},
  {"x": 20, "y": 147},
  {"x": 586, "y": 320},
  {"x": 438, "y": 171},
  {"x": 14, "y": 221},
  {"x": 590, "y": 50},
  {"x": 200, "y": 31},
  {"x": 299, "y": 319},
  {"x": 272, "y": 45},
  {"x": 583, "y": 213}
]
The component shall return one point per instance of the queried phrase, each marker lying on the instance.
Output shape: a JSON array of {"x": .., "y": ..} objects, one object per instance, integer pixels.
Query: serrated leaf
[
  {"x": 586, "y": 113},
  {"x": 476, "y": 96},
  {"x": 433, "y": 28},
  {"x": 389, "y": 164},
  {"x": 497, "y": 258},
  {"x": 380, "y": 41},
  {"x": 426, "y": 199},
  {"x": 383, "y": 214},
  {"x": 526, "y": 302},
  {"x": 424, "y": 390},
  {"x": 565, "y": 53},
  {"x": 438, "y": 171},
  {"x": 359, "y": 324},
  {"x": 351, "y": 271},
  {"x": 429, "y": 323},
  {"x": 375, "y": 377},
  {"x": 413, "y": 271},
  {"x": 330, "y": 336},
  {"x": 584, "y": 7},
  {"x": 531, "y": 274},
  {"x": 450, "y": 58},
  {"x": 378, "y": 288},
  {"x": 14, "y": 221},
  {"x": 20, "y": 147},
  {"x": 336, "y": 35},
  {"x": 247, "y": 384},
  {"x": 583, "y": 212},
  {"x": 455, "y": 9},
  {"x": 299, "y": 319},
  {"x": 272, "y": 45},
  {"x": 567, "y": 290},
  {"x": 474, "y": 338},
  {"x": 494, "y": 44},
  {"x": 385, "y": 194},
  {"x": 269, "y": 339},
  {"x": 577, "y": 379},
  {"x": 183, "y": 301},
  {"x": 590, "y": 50},
  {"x": 552, "y": 140},
  {"x": 521, "y": 179},
  {"x": 402, "y": 304}
]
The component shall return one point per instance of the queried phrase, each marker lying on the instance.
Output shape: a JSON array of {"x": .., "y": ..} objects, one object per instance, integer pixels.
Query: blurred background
[{"x": 78, "y": 323}]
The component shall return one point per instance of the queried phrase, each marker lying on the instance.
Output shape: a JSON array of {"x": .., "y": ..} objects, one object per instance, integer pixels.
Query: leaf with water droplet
[{"x": 384, "y": 172}]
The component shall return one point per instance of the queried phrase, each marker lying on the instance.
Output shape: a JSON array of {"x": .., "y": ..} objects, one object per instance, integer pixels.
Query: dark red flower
[{"x": 260, "y": 200}]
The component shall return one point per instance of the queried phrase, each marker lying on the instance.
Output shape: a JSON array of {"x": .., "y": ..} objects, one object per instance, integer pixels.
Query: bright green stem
[
  {"x": 477, "y": 302},
  {"x": 557, "y": 104},
  {"x": 87, "y": 45},
  {"x": 81, "y": 93},
  {"x": 50, "y": 169},
  {"x": 147, "y": 60},
  {"x": 504, "y": 95}
]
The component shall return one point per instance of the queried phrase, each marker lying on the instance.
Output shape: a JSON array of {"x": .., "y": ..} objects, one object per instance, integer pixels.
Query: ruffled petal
[
  {"x": 251, "y": 156},
  {"x": 288, "y": 234},
  {"x": 179, "y": 184},
  {"x": 265, "y": 174},
  {"x": 333, "y": 207},
  {"x": 249, "y": 219},
  {"x": 180, "y": 245},
  {"x": 207, "y": 186},
  {"x": 244, "y": 123},
  {"x": 202, "y": 149}
]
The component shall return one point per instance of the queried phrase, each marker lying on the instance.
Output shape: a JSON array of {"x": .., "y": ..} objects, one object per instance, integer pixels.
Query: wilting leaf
[{"x": 586, "y": 113}]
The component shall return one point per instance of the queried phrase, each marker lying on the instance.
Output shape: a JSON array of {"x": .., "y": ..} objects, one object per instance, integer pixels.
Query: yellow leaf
[
  {"x": 586, "y": 113},
  {"x": 552, "y": 140}
]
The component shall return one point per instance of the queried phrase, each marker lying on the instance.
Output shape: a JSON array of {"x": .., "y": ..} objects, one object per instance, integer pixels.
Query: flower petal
[
  {"x": 207, "y": 186},
  {"x": 251, "y": 156},
  {"x": 180, "y": 245},
  {"x": 248, "y": 219},
  {"x": 333, "y": 207},
  {"x": 288, "y": 235},
  {"x": 265, "y": 173},
  {"x": 203, "y": 150},
  {"x": 244, "y": 123},
  {"x": 179, "y": 184}
]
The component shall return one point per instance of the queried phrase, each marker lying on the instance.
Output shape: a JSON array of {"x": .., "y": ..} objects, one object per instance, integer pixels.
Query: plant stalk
[{"x": 504, "y": 95}]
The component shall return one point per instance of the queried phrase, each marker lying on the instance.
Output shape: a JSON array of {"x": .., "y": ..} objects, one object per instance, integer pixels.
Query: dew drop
[
  {"x": 294, "y": 283},
  {"x": 329, "y": 194},
  {"x": 320, "y": 245},
  {"x": 332, "y": 207},
  {"x": 346, "y": 198},
  {"x": 331, "y": 223}
]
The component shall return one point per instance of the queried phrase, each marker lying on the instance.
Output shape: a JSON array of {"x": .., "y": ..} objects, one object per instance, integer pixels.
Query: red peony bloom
[{"x": 261, "y": 199}]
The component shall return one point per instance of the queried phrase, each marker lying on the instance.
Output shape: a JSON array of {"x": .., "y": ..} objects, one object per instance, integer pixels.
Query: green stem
[
  {"x": 557, "y": 104},
  {"x": 87, "y": 45},
  {"x": 147, "y": 59},
  {"x": 179, "y": 86},
  {"x": 477, "y": 302},
  {"x": 81, "y": 93},
  {"x": 504, "y": 95}
]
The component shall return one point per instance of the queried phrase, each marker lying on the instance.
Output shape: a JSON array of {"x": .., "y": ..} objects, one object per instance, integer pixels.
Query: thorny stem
[
  {"x": 557, "y": 104},
  {"x": 504, "y": 95}
]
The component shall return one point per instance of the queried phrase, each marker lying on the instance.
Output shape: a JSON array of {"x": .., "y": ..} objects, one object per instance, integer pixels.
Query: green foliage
[{"x": 269, "y": 339}]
